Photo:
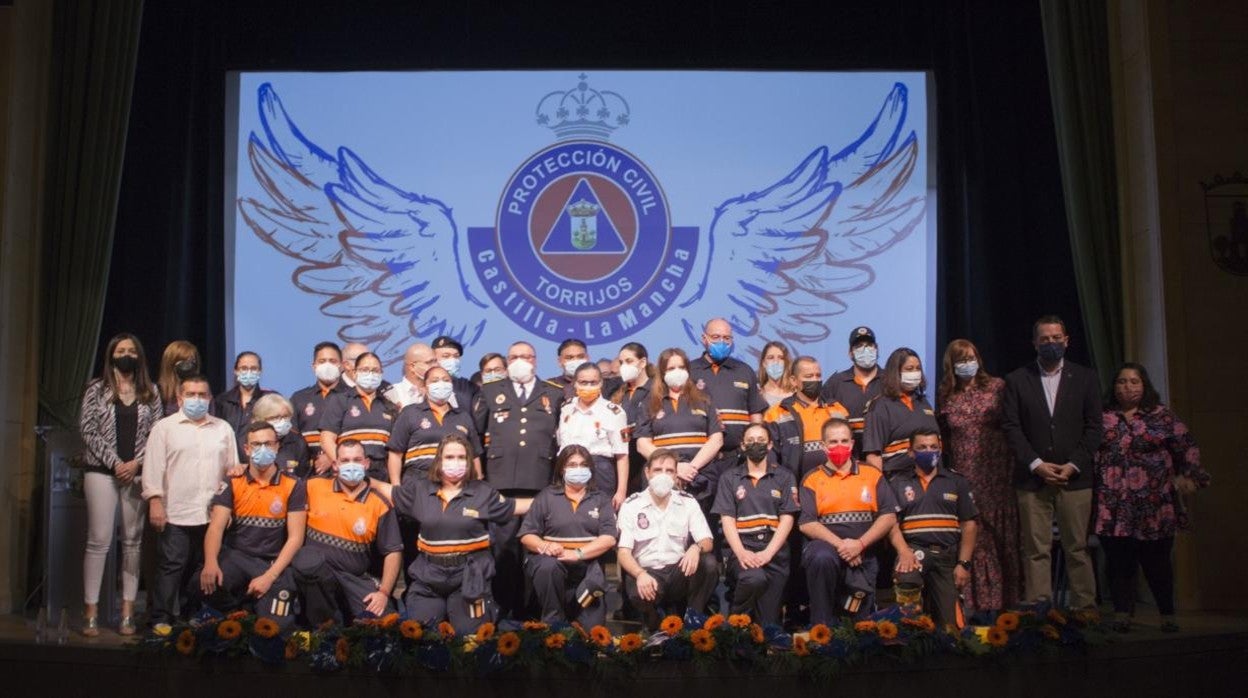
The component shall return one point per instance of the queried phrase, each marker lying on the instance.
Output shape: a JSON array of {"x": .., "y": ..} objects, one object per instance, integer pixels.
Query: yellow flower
[
  {"x": 600, "y": 636},
  {"x": 630, "y": 643},
  {"x": 799, "y": 646},
  {"x": 186, "y": 643},
  {"x": 556, "y": 641},
  {"x": 703, "y": 640},
  {"x": 672, "y": 625},
  {"x": 756, "y": 633},
  {"x": 740, "y": 620},
  {"x": 508, "y": 644},
  {"x": 820, "y": 634},
  {"x": 997, "y": 637},
  {"x": 714, "y": 621},
  {"x": 229, "y": 629},
  {"x": 411, "y": 630},
  {"x": 1050, "y": 632},
  {"x": 485, "y": 632},
  {"x": 887, "y": 629},
  {"x": 266, "y": 628}
]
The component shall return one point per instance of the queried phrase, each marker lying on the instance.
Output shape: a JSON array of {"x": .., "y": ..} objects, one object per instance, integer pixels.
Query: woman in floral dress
[
  {"x": 1146, "y": 461},
  {"x": 969, "y": 411}
]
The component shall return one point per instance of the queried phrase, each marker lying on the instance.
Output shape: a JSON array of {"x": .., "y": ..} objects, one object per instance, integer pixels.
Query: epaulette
[{"x": 613, "y": 407}]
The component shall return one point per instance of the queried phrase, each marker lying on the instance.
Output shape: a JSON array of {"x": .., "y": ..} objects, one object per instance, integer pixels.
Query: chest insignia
[{"x": 642, "y": 522}]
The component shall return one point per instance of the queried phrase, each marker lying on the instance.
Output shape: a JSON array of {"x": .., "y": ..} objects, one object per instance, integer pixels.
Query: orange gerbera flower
[
  {"x": 1050, "y": 632},
  {"x": 714, "y": 622},
  {"x": 411, "y": 630},
  {"x": 864, "y": 626},
  {"x": 390, "y": 620},
  {"x": 600, "y": 636},
  {"x": 702, "y": 639},
  {"x": 1008, "y": 621},
  {"x": 446, "y": 630},
  {"x": 229, "y": 629},
  {"x": 997, "y": 637},
  {"x": 820, "y": 634},
  {"x": 266, "y": 628},
  {"x": 342, "y": 650},
  {"x": 237, "y": 615},
  {"x": 927, "y": 625},
  {"x": 630, "y": 643},
  {"x": 185, "y": 643},
  {"x": 756, "y": 633},
  {"x": 887, "y": 629},
  {"x": 672, "y": 625},
  {"x": 292, "y": 648},
  {"x": 739, "y": 620},
  {"x": 535, "y": 626},
  {"x": 508, "y": 644},
  {"x": 799, "y": 646},
  {"x": 556, "y": 641},
  {"x": 1087, "y": 616},
  {"x": 485, "y": 632},
  {"x": 1056, "y": 617}
]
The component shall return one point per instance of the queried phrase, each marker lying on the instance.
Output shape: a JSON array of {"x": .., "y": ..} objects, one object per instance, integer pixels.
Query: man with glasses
[
  {"x": 417, "y": 360},
  {"x": 350, "y": 353},
  {"x": 591, "y": 420}
]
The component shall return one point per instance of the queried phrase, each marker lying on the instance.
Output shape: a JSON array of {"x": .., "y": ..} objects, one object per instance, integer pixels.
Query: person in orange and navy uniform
[
  {"x": 680, "y": 418},
  {"x": 897, "y": 413},
  {"x": 362, "y": 415},
  {"x": 450, "y": 578},
  {"x": 568, "y": 529},
  {"x": 350, "y": 526},
  {"x": 309, "y": 403},
  {"x": 757, "y": 504},
  {"x": 255, "y": 529},
  {"x": 935, "y": 531},
  {"x": 857, "y": 385},
  {"x": 846, "y": 509},
  {"x": 795, "y": 424},
  {"x": 421, "y": 426}
]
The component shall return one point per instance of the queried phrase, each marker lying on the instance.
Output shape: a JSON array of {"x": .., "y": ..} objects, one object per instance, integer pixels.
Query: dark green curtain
[
  {"x": 94, "y": 51},
  {"x": 1076, "y": 41}
]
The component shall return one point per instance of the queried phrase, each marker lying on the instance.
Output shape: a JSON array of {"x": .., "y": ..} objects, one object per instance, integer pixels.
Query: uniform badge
[
  {"x": 909, "y": 493},
  {"x": 741, "y": 384},
  {"x": 701, "y": 384},
  {"x": 698, "y": 413},
  {"x": 291, "y": 465},
  {"x": 546, "y": 403},
  {"x": 593, "y": 513},
  {"x": 626, "y": 434},
  {"x": 281, "y": 605},
  {"x": 642, "y": 522},
  {"x": 388, "y": 417},
  {"x": 740, "y": 491},
  {"x": 927, "y": 411},
  {"x": 919, "y": 555},
  {"x": 425, "y": 423},
  {"x": 462, "y": 428},
  {"x": 660, "y": 415},
  {"x": 310, "y": 409},
  {"x": 222, "y": 486},
  {"x": 500, "y": 416},
  {"x": 776, "y": 494},
  {"x": 276, "y": 506},
  {"x": 472, "y": 513},
  {"x": 951, "y": 497},
  {"x": 360, "y": 527},
  {"x": 866, "y": 494},
  {"x": 355, "y": 411},
  {"x": 500, "y": 399},
  {"x": 796, "y": 500}
]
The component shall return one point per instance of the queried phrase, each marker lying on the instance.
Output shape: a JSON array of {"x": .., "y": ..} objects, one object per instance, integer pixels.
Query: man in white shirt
[
  {"x": 665, "y": 546},
  {"x": 188, "y": 455},
  {"x": 417, "y": 361}
]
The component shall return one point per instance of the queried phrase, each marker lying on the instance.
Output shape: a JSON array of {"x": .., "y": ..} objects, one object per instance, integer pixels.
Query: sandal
[
  {"x": 127, "y": 626},
  {"x": 91, "y": 626}
]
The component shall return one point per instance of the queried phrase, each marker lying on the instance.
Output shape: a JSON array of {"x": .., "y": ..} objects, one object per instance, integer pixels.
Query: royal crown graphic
[{"x": 583, "y": 112}]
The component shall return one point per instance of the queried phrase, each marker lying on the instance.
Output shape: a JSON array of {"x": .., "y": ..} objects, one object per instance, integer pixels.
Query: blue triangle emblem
[{"x": 583, "y": 226}]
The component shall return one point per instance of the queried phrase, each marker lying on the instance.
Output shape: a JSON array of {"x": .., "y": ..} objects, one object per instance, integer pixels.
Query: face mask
[
  {"x": 911, "y": 379},
  {"x": 368, "y": 381},
  {"x": 454, "y": 470},
  {"x": 248, "y": 379},
  {"x": 661, "y": 485},
  {"x": 676, "y": 378},
  {"x": 966, "y": 369},
  {"x": 577, "y": 475},
  {"x": 491, "y": 377},
  {"x": 756, "y": 452},
  {"x": 718, "y": 351},
  {"x": 811, "y": 389},
  {"x": 520, "y": 371},
  {"x": 327, "y": 372},
  {"x": 569, "y": 367},
  {"x": 588, "y": 394},
  {"x": 263, "y": 456},
  {"x": 450, "y": 365},
  {"x": 195, "y": 408},
  {"x": 839, "y": 454},
  {"x": 440, "y": 391},
  {"x": 1052, "y": 352},
  {"x": 927, "y": 460},
  {"x": 865, "y": 356},
  {"x": 775, "y": 370},
  {"x": 281, "y": 426},
  {"x": 186, "y": 368},
  {"x": 351, "y": 473},
  {"x": 125, "y": 363},
  {"x": 629, "y": 372}
]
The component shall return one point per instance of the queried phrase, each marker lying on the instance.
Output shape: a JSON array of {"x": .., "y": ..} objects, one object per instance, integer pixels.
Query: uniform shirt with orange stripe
[
  {"x": 757, "y": 504},
  {"x": 258, "y": 511},
  {"x": 458, "y": 525},
  {"x": 350, "y": 529},
  {"x": 557, "y": 518},
  {"x": 733, "y": 389},
  {"x": 890, "y": 422},
  {"x": 932, "y": 510},
  {"x": 420, "y": 428},
  {"x": 679, "y": 426},
  {"x": 369, "y": 421},
  {"x": 846, "y": 503},
  {"x": 797, "y": 432},
  {"x": 309, "y": 404}
]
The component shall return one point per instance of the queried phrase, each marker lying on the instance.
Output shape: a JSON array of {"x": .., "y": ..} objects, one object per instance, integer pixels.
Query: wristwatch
[
  {"x": 965, "y": 564},
  {"x": 580, "y": 554}
]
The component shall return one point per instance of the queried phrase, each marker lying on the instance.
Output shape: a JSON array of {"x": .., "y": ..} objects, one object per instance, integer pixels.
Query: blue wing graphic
[
  {"x": 799, "y": 246},
  {"x": 363, "y": 243}
]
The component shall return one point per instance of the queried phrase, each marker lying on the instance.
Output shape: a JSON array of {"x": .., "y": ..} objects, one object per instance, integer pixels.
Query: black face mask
[
  {"x": 811, "y": 389},
  {"x": 126, "y": 363},
  {"x": 756, "y": 452},
  {"x": 1052, "y": 352},
  {"x": 186, "y": 368}
]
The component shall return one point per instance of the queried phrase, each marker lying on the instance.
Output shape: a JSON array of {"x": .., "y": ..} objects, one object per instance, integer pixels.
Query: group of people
[{"x": 503, "y": 494}]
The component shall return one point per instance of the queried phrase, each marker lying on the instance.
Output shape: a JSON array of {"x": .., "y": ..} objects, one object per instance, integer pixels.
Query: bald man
[
  {"x": 417, "y": 360},
  {"x": 350, "y": 352}
]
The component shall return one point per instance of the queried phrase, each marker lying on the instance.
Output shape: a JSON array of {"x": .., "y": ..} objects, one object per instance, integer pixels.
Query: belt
[{"x": 448, "y": 559}]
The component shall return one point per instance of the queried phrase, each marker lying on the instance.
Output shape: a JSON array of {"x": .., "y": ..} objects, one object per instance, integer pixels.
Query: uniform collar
[
  {"x": 833, "y": 472},
  {"x": 277, "y": 476},
  {"x": 363, "y": 495}
]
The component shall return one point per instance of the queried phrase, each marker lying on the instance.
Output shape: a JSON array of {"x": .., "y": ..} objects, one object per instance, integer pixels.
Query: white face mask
[
  {"x": 440, "y": 391},
  {"x": 520, "y": 371},
  {"x": 450, "y": 365},
  {"x": 629, "y": 372},
  {"x": 569, "y": 367},
  {"x": 911, "y": 379},
  {"x": 327, "y": 372},
  {"x": 676, "y": 378},
  {"x": 368, "y": 380},
  {"x": 661, "y": 485},
  {"x": 865, "y": 357},
  {"x": 491, "y": 377},
  {"x": 281, "y": 426}
]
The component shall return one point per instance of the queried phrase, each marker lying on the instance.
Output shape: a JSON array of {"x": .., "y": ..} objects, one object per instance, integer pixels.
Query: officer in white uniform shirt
[
  {"x": 593, "y": 421},
  {"x": 417, "y": 360},
  {"x": 665, "y": 546}
]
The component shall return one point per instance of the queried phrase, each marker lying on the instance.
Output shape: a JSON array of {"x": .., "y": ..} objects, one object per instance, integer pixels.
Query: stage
[{"x": 1209, "y": 657}]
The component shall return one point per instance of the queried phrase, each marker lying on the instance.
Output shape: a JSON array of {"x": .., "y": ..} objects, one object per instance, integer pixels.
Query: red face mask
[{"x": 839, "y": 454}]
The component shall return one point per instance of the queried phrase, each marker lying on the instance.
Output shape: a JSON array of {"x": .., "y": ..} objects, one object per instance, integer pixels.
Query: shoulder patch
[
  {"x": 223, "y": 486},
  {"x": 613, "y": 407},
  {"x": 553, "y": 385}
]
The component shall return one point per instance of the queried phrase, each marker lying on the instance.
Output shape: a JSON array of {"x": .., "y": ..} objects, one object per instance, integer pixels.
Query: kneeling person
[
  {"x": 255, "y": 528},
  {"x": 935, "y": 531},
  {"x": 665, "y": 546}
]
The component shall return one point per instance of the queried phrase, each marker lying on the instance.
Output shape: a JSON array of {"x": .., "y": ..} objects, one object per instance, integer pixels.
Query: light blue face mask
[
  {"x": 351, "y": 473},
  {"x": 195, "y": 408},
  {"x": 368, "y": 381},
  {"x": 775, "y": 369},
  {"x": 263, "y": 456},
  {"x": 577, "y": 475},
  {"x": 966, "y": 369},
  {"x": 719, "y": 351},
  {"x": 450, "y": 365},
  {"x": 248, "y": 379},
  {"x": 440, "y": 391}
]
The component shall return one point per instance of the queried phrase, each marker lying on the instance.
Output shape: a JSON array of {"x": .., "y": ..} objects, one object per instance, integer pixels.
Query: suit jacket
[
  {"x": 1072, "y": 434},
  {"x": 519, "y": 437}
]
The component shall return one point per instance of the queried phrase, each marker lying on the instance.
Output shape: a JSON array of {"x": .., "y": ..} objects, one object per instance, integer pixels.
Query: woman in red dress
[{"x": 969, "y": 411}]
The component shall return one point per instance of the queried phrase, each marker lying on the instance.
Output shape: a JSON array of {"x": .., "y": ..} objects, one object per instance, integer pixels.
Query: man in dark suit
[{"x": 1052, "y": 419}]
